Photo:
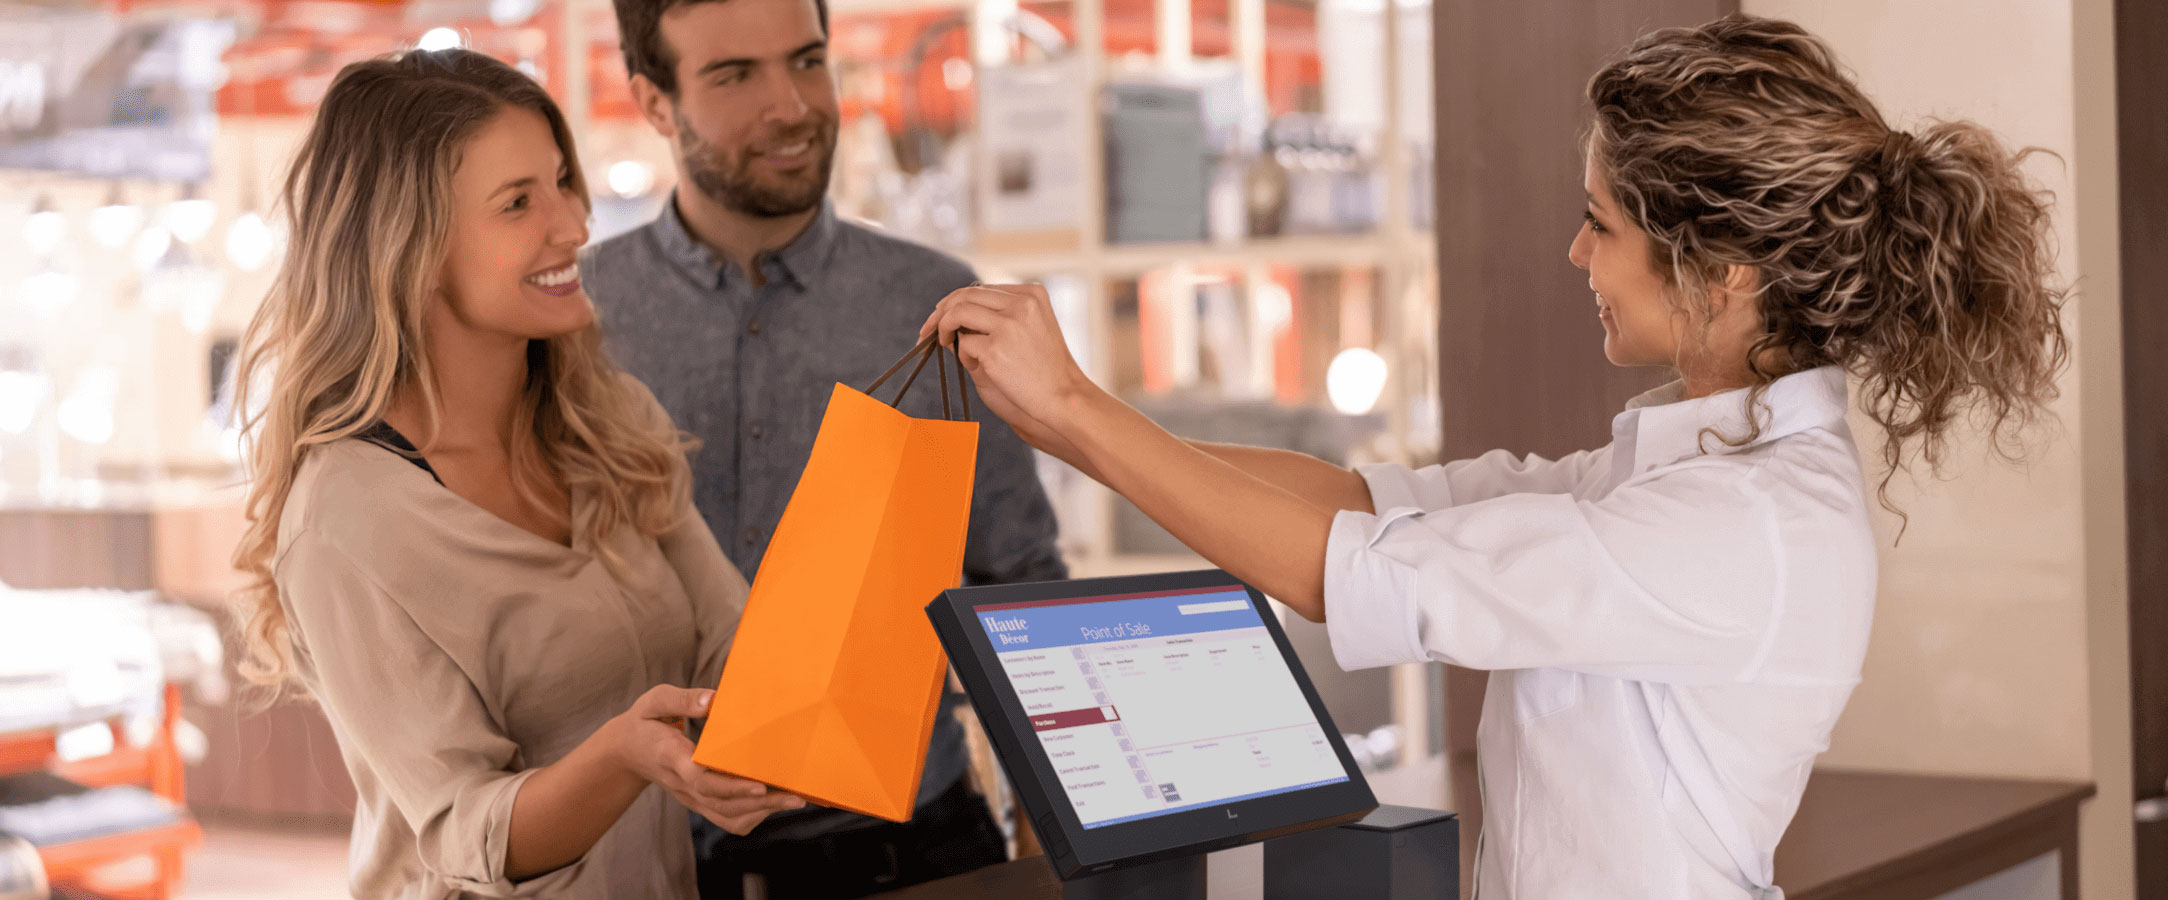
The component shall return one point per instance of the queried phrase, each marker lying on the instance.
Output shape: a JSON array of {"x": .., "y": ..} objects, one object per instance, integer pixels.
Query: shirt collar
[
  {"x": 794, "y": 264},
  {"x": 1660, "y": 427},
  {"x": 800, "y": 258}
]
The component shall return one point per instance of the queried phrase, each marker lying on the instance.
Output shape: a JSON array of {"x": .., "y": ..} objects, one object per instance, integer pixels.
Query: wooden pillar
[{"x": 2141, "y": 73}]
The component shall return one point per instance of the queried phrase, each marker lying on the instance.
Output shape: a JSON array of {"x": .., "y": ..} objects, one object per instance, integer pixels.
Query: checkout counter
[{"x": 1858, "y": 836}]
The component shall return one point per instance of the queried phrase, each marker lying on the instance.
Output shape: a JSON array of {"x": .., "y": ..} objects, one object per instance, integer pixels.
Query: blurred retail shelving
[
  {"x": 1229, "y": 202},
  {"x": 1228, "y": 195}
]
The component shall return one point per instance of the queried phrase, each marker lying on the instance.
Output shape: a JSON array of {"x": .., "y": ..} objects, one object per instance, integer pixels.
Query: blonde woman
[
  {"x": 1675, "y": 620},
  {"x": 471, "y": 538}
]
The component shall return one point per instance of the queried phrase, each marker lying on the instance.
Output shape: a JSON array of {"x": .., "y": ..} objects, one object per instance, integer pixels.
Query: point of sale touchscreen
[{"x": 1148, "y": 704}]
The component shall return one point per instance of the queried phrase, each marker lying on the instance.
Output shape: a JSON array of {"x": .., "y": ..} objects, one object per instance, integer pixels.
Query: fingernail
[
  {"x": 706, "y": 698},
  {"x": 794, "y": 803}
]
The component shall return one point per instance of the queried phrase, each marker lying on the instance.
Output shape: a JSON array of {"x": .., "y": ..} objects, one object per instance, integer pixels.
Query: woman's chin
[
  {"x": 1626, "y": 358},
  {"x": 562, "y": 316},
  {"x": 1613, "y": 352}
]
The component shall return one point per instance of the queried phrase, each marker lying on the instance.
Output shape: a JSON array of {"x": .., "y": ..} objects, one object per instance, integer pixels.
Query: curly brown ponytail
[{"x": 1918, "y": 262}]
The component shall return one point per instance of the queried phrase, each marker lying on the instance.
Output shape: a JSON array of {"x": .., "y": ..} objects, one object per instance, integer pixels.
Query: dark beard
[{"x": 731, "y": 182}]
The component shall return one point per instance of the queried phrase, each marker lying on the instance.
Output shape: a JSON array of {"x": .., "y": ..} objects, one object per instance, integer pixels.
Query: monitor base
[{"x": 1174, "y": 879}]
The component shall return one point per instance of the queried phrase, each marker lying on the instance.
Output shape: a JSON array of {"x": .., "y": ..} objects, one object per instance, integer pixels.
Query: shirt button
[
  {"x": 751, "y": 536},
  {"x": 756, "y": 429},
  {"x": 752, "y": 327}
]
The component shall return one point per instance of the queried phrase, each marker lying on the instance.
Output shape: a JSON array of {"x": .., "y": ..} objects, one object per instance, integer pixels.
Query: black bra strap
[{"x": 389, "y": 438}]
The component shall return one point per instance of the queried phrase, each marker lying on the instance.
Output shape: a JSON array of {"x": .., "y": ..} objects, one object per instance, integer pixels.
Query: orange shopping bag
[{"x": 835, "y": 675}]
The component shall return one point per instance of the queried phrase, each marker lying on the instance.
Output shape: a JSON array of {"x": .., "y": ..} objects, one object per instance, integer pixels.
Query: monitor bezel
[{"x": 1075, "y": 850}]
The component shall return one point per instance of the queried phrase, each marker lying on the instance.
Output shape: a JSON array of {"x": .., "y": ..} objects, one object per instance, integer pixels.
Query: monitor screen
[{"x": 1148, "y": 704}]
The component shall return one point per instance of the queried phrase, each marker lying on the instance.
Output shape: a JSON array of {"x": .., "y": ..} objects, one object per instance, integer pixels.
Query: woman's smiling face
[
  {"x": 517, "y": 226},
  {"x": 1641, "y": 326}
]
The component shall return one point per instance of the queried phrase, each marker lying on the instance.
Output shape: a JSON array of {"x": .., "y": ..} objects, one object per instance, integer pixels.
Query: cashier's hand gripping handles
[
  {"x": 1218, "y": 500},
  {"x": 927, "y": 350},
  {"x": 1052, "y": 373}
]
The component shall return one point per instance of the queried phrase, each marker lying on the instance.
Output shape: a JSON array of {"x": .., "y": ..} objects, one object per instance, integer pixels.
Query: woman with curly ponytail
[
  {"x": 1918, "y": 263},
  {"x": 1673, "y": 621}
]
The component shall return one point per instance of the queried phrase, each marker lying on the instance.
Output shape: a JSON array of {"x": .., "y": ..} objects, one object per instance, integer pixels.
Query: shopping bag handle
[{"x": 929, "y": 349}]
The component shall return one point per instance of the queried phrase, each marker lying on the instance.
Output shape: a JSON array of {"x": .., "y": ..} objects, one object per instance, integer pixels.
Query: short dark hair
[{"x": 639, "y": 35}]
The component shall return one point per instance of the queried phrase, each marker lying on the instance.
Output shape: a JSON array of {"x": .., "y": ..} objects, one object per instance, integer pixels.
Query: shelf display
[
  {"x": 92, "y": 744},
  {"x": 68, "y": 658},
  {"x": 115, "y": 97},
  {"x": 50, "y": 811},
  {"x": 1006, "y": 133},
  {"x": 1033, "y": 182}
]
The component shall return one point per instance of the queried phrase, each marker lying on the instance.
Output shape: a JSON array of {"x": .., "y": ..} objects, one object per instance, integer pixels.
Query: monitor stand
[{"x": 1181, "y": 878}]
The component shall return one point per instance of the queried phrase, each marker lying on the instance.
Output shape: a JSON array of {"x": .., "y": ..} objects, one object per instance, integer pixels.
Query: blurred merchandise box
[{"x": 1156, "y": 162}]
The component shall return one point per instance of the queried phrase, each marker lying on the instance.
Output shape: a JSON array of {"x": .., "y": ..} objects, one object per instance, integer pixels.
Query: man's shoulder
[
  {"x": 632, "y": 280},
  {"x": 866, "y": 243},
  {"x": 620, "y": 253}
]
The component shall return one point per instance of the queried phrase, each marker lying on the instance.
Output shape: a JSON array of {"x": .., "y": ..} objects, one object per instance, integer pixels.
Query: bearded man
[{"x": 740, "y": 306}]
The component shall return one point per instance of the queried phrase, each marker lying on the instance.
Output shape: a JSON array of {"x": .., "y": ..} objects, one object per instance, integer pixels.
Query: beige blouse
[{"x": 455, "y": 652}]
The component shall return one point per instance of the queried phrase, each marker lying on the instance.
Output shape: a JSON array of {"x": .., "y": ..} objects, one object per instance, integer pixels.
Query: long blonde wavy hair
[
  {"x": 1919, "y": 262},
  {"x": 341, "y": 333}
]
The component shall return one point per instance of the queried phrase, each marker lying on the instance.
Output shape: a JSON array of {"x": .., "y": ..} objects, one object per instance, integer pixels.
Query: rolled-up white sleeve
[
  {"x": 1371, "y": 613},
  {"x": 1494, "y": 474},
  {"x": 1672, "y": 578}
]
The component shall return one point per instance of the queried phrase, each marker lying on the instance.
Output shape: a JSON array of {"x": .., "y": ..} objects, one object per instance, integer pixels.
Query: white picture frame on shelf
[{"x": 1033, "y": 125}]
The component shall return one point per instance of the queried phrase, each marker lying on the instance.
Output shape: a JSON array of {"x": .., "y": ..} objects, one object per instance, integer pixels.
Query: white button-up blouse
[{"x": 1673, "y": 625}]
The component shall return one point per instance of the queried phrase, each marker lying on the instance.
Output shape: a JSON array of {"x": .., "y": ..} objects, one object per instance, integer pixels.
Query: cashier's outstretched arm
[{"x": 1265, "y": 534}]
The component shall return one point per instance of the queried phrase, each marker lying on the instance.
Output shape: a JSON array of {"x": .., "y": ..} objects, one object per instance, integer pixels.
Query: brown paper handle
[
  {"x": 929, "y": 349},
  {"x": 940, "y": 367},
  {"x": 916, "y": 350}
]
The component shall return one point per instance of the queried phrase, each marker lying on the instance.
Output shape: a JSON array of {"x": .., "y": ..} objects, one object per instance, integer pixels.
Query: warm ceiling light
[
  {"x": 1354, "y": 380},
  {"x": 440, "y": 38}
]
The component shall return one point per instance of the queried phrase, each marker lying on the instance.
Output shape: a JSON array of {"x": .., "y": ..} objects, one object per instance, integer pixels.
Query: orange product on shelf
[
  {"x": 145, "y": 864},
  {"x": 28, "y": 752},
  {"x": 156, "y": 766},
  {"x": 115, "y": 865}
]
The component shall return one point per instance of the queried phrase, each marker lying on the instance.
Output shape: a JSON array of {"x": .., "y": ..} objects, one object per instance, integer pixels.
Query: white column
[
  {"x": 1249, "y": 44},
  {"x": 579, "y": 87},
  {"x": 991, "y": 39},
  {"x": 1091, "y": 45},
  {"x": 1171, "y": 29}
]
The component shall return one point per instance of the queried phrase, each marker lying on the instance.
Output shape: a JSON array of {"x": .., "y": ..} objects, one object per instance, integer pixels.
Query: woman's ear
[
  {"x": 1741, "y": 285},
  {"x": 438, "y": 294}
]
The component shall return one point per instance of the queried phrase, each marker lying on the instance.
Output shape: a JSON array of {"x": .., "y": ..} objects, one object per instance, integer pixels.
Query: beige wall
[{"x": 2008, "y": 576}]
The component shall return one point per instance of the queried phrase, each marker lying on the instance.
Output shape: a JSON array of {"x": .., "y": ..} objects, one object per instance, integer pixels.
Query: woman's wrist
[
  {"x": 619, "y": 753},
  {"x": 565, "y": 806},
  {"x": 1073, "y": 406}
]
